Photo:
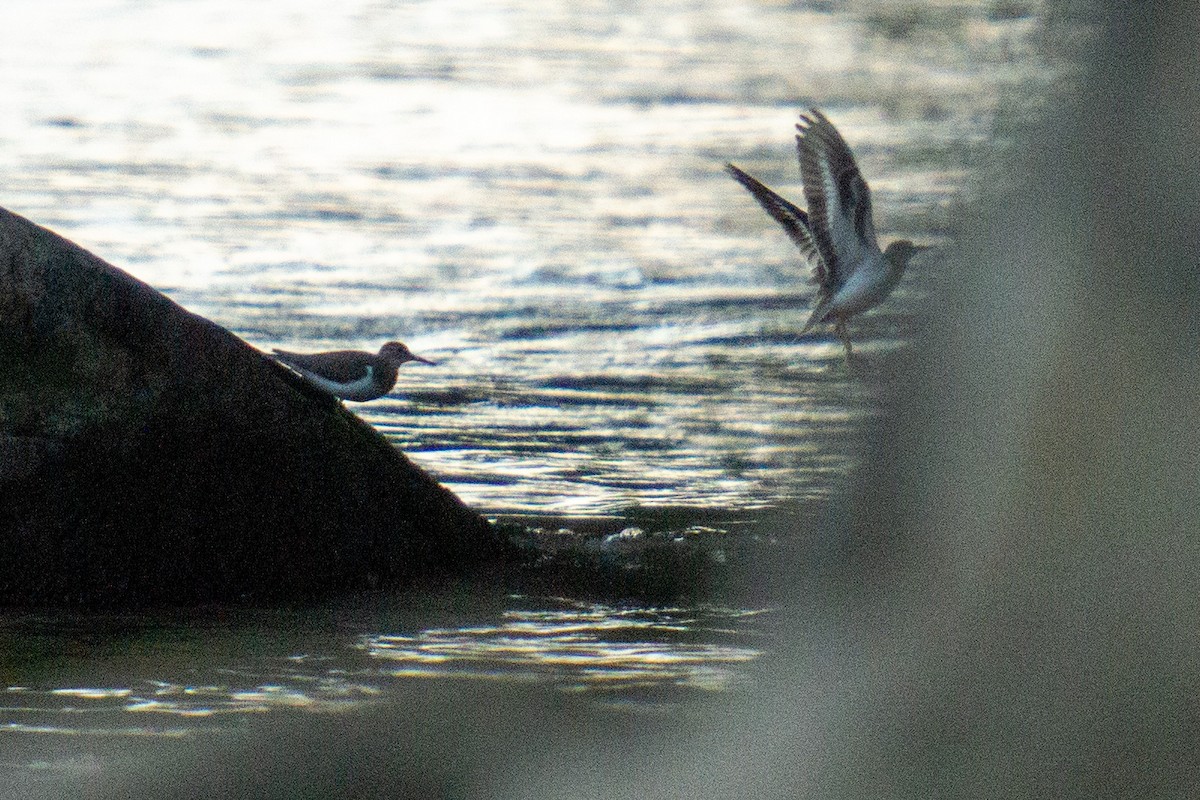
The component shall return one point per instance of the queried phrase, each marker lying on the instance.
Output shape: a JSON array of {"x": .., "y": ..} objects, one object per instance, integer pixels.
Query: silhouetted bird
[{"x": 352, "y": 374}]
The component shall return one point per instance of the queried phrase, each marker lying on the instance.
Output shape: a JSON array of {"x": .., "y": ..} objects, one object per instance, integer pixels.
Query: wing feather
[
  {"x": 792, "y": 218},
  {"x": 839, "y": 201},
  {"x": 341, "y": 366}
]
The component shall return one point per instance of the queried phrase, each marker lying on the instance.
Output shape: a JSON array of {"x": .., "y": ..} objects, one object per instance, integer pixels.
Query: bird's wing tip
[{"x": 816, "y": 317}]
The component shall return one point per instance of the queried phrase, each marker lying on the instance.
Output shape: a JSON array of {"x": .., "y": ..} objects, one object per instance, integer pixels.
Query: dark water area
[
  {"x": 532, "y": 196},
  {"x": 94, "y": 700}
]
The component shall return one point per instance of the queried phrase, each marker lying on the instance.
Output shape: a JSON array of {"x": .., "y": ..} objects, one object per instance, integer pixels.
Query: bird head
[
  {"x": 899, "y": 253},
  {"x": 399, "y": 354}
]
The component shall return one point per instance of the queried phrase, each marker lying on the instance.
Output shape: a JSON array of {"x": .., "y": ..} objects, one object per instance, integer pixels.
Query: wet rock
[{"x": 147, "y": 455}]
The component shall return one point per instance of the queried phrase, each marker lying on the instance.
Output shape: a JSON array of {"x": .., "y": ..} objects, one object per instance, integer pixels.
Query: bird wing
[
  {"x": 791, "y": 217},
  {"x": 839, "y": 202},
  {"x": 341, "y": 366}
]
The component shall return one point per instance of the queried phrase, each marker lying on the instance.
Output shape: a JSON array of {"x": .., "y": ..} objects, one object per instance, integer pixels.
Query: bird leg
[{"x": 840, "y": 328}]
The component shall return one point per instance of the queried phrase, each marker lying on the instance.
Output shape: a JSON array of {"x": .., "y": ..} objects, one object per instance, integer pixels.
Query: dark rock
[{"x": 148, "y": 455}]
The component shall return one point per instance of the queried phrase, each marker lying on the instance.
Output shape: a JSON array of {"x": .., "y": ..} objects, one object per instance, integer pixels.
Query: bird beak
[{"x": 424, "y": 361}]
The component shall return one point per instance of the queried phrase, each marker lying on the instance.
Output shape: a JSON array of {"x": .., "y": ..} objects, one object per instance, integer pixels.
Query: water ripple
[{"x": 581, "y": 648}]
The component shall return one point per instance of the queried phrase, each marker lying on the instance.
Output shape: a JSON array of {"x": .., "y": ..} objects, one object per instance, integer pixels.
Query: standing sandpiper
[
  {"x": 352, "y": 374},
  {"x": 836, "y": 235}
]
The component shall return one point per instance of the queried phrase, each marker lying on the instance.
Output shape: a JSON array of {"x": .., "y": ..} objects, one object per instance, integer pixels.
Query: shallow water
[{"x": 532, "y": 195}]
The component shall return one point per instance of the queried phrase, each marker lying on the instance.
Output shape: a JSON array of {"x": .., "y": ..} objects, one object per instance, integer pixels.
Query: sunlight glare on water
[{"x": 530, "y": 194}]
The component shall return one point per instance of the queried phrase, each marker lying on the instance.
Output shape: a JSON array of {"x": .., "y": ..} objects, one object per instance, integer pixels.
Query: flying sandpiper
[
  {"x": 352, "y": 374},
  {"x": 836, "y": 235}
]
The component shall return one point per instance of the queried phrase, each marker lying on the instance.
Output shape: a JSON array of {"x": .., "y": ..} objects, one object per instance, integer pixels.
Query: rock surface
[{"x": 147, "y": 455}]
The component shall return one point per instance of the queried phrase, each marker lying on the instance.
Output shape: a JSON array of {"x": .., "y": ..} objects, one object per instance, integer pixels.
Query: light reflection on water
[
  {"x": 624, "y": 654},
  {"x": 532, "y": 195},
  {"x": 581, "y": 648}
]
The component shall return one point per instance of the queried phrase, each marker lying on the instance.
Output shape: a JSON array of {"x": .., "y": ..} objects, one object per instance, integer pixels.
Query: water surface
[{"x": 530, "y": 194}]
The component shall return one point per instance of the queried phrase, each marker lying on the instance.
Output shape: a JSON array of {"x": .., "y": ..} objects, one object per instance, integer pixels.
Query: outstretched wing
[
  {"x": 839, "y": 202},
  {"x": 791, "y": 217}
]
